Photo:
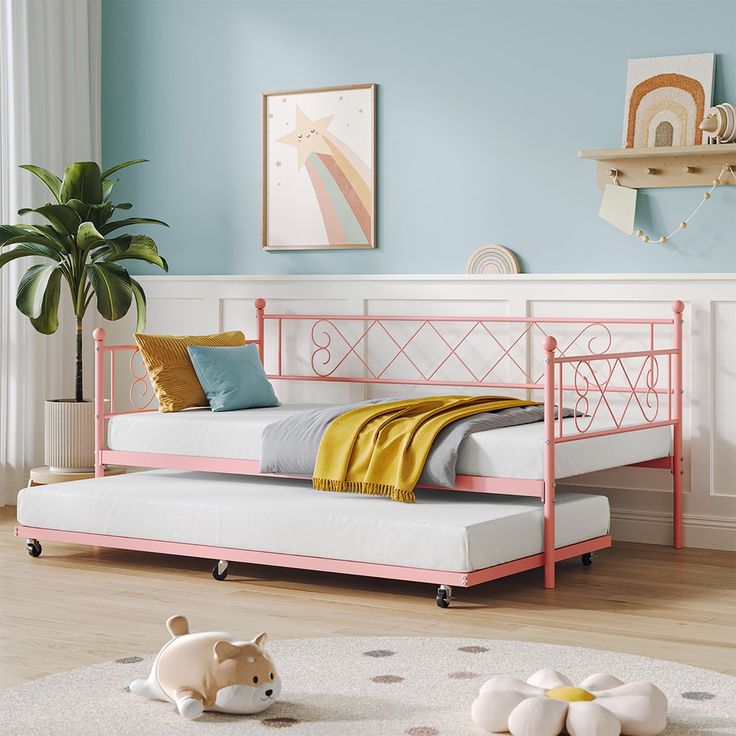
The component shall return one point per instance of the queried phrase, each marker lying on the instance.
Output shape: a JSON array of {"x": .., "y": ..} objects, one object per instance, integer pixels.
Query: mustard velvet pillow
[{"x": 170, "y": 367}]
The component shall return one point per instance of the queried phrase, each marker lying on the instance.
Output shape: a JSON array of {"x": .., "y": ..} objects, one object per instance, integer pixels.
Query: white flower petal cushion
[
  {"x": 550, "y": 679},
  {"x": 492, "y": 709},
  {"x": 600, "y": 681},
  {"x": 640, "y": 707},
  {"x": 587, "y": 718},
  {"x": 501, "y": 682},
  {"x": 601, "y": 706},
  {"x": 540, "y": 716}
]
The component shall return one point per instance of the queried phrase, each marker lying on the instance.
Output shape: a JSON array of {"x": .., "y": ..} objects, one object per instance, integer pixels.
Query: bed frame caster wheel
[
  {"x": 444, "y": 596},
  {"x": 34, "y": 547},
  {"x": 219, "y": 571},
  {"x": 587, "y": 559}
]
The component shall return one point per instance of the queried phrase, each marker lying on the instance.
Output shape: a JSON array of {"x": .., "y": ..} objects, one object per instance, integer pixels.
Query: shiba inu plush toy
[{"x": 211, "y": 670}]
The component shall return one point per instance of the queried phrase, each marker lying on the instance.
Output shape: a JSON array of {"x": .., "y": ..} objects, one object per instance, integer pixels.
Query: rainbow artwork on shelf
[
  {"x": 493, "y": 259},
  {"x": 666, "y": 100},
  {"x": 319, "y": 168}
]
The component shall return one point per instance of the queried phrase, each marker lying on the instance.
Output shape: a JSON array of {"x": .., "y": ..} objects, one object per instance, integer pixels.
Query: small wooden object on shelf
[
  {"x": 665, "y": 166},
  {"x": 43, "y": 475}
]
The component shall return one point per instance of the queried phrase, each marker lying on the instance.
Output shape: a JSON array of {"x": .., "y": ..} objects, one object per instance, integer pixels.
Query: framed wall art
[
  {"x": 666, "y": 100},
  {"x": 319, "y": 168}
]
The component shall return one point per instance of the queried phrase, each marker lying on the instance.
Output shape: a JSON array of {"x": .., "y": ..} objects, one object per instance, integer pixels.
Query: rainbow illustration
[
  {"x": 666, "y": 99},
  {"x": 341, "y": 181},
  {"x": 493, "y": 259}
]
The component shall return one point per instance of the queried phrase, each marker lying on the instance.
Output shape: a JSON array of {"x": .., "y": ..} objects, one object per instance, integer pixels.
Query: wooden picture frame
[{"x": 319, "y": 168}]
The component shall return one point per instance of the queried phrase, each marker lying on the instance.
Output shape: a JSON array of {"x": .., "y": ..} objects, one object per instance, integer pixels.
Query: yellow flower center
[{"x": 569, "y": 694}]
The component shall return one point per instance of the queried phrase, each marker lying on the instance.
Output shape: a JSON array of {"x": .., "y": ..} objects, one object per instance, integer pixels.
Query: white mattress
[
  {"x": 444, "y": 530},
  {"x": 510, "y": 452}
]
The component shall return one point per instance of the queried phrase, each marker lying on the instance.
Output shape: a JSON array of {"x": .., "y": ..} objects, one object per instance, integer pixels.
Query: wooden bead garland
[{"x": 683, "y": 225}]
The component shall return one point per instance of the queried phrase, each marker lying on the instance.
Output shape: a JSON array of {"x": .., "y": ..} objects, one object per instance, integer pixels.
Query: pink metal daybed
[{"x": 636, "y": 390}]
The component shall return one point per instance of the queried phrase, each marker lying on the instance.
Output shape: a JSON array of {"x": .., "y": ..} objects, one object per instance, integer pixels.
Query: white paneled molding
[{"x": 640, "y": 498}]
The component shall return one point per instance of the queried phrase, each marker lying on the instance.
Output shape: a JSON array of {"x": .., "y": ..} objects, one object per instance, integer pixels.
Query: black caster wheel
[
  {"x": 220, "y": 570},
  {"x": 587, "y": 559},
  {"x": 34, "y": 548},
  {"x": 444, "y": 596}
]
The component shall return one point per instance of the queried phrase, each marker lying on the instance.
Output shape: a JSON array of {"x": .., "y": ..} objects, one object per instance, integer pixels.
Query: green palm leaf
[
  {"x": 39, "y": 240},
  {"x": 112, "y": 245},
  {"x": 112, "y": 287},
  {"x": 47, "y": 321},
  {"x": 12, "y": 231},
  {"x": 82, "y": 180},
  {"x": 28, "y": 249},
  {"x": 62, "y": 241},
  {"x": 81, "y": 208},
  {"x": 117, "y": 167},
  {"x": 50, "y": 180},
  {"x": 141, "y": 248},
  {"x": 140, "y": 304},
  {"x": 107, "y": 185},
  {"x": 62, "y": 218},
  {"x": 31, "y": 236},
  {"x": 99, "y": 214},
  {"x": 120, "y": 243},
  {"x": 32, "y": 288},
  {"x": 88, "y": 237},
  {"x": 108, "y": 227}
]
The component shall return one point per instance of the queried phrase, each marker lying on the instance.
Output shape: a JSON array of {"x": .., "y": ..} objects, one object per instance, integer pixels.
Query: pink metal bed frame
[{"x": 578, "y": 375}]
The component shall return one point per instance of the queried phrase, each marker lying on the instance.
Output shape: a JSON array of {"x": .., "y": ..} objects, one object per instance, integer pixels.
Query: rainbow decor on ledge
[{"x": 493, "y": 259}]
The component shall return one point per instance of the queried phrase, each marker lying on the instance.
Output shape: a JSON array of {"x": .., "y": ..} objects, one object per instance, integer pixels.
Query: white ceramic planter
[{"x": 70, "y": 435}]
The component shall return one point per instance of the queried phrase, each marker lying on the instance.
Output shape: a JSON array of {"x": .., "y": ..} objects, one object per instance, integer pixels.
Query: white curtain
[{"x": 49, "y": 116}]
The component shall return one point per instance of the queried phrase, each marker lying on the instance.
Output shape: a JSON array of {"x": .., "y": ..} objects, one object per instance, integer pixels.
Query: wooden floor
[{"x": 77, "y": 605}]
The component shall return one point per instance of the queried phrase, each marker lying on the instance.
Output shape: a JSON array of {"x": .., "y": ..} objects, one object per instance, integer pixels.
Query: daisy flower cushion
[{"x": 548, "y": 703}]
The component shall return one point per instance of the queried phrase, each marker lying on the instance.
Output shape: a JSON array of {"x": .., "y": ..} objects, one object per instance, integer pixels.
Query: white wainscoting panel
[
  {"x": 640, "y": 498},
  {"x": 723, "y": 399}
]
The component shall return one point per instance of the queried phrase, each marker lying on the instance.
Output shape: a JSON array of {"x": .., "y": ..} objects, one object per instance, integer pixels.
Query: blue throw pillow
[{"x": 233, "y": 377}]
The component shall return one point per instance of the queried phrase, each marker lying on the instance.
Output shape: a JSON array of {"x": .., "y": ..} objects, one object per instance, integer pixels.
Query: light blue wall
[{"x": 482, "y": 107}]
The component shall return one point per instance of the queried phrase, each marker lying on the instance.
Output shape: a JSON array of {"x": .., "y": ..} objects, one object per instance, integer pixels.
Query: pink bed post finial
[
  {"x": 99, "y": 338},
  {"x": 677, "y": 449},
  {"x": 260, "y": 307},
  {"x": 550, "y": 345}
]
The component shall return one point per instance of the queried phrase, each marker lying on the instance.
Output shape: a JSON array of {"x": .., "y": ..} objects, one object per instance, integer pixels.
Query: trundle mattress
[
  {"x": 443, "y": 530},
  {"x": 510, "y": 452}
]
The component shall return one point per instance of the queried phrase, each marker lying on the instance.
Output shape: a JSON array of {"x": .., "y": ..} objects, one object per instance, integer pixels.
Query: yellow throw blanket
[{"x": 381, "y": 449}]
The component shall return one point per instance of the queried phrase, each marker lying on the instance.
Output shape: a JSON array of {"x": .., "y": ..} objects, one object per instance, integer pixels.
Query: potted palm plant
[{"x": 84, "y": 245}]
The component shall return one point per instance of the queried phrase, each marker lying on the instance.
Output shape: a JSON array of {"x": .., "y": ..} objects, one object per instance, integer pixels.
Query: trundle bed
[{"x": 628, "y": 411}]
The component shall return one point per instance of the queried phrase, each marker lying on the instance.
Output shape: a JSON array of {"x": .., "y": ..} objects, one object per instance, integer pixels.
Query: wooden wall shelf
[{"x": 668, "y": 166}]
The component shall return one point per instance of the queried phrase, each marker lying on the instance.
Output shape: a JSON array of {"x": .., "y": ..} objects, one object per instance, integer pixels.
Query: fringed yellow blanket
[{"x": 381, "y": 449}]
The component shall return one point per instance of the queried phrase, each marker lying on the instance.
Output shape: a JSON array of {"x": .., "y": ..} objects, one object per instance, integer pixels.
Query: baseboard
[{"x": 655, "y": 527}]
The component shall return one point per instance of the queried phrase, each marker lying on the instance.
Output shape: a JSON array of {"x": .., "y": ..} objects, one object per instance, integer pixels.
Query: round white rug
[{"x": 371, "y": 686}]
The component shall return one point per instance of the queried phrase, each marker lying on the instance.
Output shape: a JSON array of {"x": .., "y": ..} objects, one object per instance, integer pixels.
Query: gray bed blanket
[{"x": 290, "y": 445}]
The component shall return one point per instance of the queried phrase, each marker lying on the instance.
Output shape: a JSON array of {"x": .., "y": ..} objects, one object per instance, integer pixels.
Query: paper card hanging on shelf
[{"x": 619, "y": 207}]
